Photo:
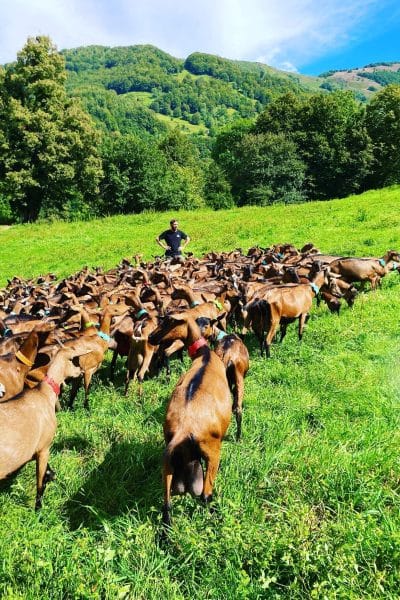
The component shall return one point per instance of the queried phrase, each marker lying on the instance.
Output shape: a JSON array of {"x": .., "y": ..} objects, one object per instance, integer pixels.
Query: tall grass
[{"x": 307, "y": 504}]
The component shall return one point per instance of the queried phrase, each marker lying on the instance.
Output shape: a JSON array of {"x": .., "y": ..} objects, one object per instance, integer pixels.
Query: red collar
[
  {"x": 192, "y": 350},
  {"x": 54, "y": 386}
]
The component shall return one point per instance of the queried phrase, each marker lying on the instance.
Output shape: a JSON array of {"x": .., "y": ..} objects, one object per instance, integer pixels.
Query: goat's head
[
  {"x": 170, "y": 328},
  {"x": 64, "y": 363}
]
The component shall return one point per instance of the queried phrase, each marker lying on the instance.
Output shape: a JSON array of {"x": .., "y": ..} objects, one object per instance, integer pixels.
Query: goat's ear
[{"x": 204, "y": 298}]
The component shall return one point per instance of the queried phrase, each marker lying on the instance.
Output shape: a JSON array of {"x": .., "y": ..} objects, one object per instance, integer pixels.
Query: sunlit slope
[{"x": 363, "y": 225}]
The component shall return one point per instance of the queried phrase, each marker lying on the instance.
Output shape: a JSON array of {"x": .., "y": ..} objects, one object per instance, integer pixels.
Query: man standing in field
[{"x": 171, "y": 240}]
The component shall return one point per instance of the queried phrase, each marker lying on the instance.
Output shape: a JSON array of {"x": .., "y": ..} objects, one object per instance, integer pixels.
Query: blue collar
[
  {"x": 104, "y": 336},
  {"x": 141, "y": 312},
  {"x": 221, "y": 335},
  {"x": 194, "y": 303},
  {"x": 315, "y": 288},
  {"x": 382, "y": 262}
]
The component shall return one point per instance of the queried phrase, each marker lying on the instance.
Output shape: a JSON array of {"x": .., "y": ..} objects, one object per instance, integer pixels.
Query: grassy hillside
[
  {"x": 368, "y": 79},
  {"x": 307, "y": 504},
  {"x": 360, "y": 225}
]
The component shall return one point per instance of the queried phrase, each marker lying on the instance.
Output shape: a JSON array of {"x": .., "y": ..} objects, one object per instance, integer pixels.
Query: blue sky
[{"x": 309, "y": 36}]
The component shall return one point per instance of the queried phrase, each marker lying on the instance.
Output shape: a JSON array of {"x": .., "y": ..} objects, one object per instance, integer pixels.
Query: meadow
[{"x": 306, "y": 505}]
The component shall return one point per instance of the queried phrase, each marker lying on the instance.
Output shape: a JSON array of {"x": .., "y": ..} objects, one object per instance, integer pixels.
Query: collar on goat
[
  {"x": 382, "y": 262},
  {"x": 91, "y": 324},
  {"x": 7, "y": 332},
  {"x": 192, "y": 350},
  {"x": 141, "y": 312},
  {"x": 221, "y": 335},
  {"x": 218, "y": 304},
  {"x": 104, "y": 336},
  {"x": 395, "y": 266},
  {"x": 23, "y": 359},
  {"x": 53, "y": 384},
  {"x": 194, "y": 303},
  {"x": 314, "y": 288}
]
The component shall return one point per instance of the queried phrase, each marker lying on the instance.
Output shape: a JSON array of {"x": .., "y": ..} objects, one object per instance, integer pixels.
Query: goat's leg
[
  {"x": 211, "y": 450},
  {"x": 167, "y": 483},
  {"x": 262, "y": 343},
  {"x": 238, "y": 393},
  {"x": 130, "y": 375},
  {"x": 302, "y": 321},
  {"x": 74, "y": 390},
  {"x": 144, "y": 368},
  {"x": 87, "y": 378},
  {"x": 283, "y": 330},
  {"x": 113, "y": 363},
  {"x": 270, "y": 336},
  {"x": 44, "y": 474}
]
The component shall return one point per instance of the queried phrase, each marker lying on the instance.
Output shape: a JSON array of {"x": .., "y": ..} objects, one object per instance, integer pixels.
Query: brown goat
[
  {"x": 198, "y": 415},
  {"x": 99, "y": 341},
  {"x": 366, "y": 269},
  {"x": 283, "y": 305},
  {"x": 235, "y": 356},
  {"x": 14, "y": 367},
  {"x": 28, "y": 422},
  {"x": 141, "y": 352}
]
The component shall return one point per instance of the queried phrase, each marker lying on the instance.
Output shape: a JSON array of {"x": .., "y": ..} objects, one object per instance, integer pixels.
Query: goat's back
[{"x": 200, "y": 403}]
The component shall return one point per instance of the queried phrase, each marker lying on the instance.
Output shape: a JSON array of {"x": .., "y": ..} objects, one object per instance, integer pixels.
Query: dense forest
[{"x": 95, "y": 131}]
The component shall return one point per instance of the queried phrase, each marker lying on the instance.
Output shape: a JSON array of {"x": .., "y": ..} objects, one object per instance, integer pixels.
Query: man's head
[{"x": 174, "y": 224}]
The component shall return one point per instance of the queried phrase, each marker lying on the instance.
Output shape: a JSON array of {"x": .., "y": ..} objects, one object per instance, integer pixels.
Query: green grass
[
  {"x": 307, "y": 504},
  {"x": 183, "y": 125},
  {"x": 364, "y": 225}
]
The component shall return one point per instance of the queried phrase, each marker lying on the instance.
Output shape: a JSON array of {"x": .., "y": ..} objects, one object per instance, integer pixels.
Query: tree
[
  {"x": 330, "y": 134},
  {"x": 146, "y": 175},
  {"x": 269, "y": 170},
  {"x": 216, "y": 188},
  {"x": 48, "y": 145},
  {"x": 383, "y": 124},
  {"x": 335, "y": 145}
]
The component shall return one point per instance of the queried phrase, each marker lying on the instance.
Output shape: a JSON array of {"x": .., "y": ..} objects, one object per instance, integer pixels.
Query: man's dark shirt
[{"x": 173, "y": 239}]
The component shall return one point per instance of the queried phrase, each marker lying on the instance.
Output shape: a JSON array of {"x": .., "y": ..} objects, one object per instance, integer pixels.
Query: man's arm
[
  {"x": 185, "y": 242},
  {"x": 160, "y": 242}
]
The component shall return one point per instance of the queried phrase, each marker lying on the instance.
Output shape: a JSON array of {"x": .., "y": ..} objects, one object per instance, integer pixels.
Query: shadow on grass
[
  {"x": 73, "y": 442},
  {"x": 129, "y": 477},
  {"x": 5, "y": 484}
]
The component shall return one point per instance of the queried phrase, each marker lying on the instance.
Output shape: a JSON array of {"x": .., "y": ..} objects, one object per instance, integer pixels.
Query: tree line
[{"x": 57, "y": 162}]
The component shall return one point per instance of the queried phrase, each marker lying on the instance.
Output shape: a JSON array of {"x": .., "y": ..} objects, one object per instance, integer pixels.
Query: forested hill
[
  {"x": 261, "y": 136},
  {"x": 141, "y": 87}
]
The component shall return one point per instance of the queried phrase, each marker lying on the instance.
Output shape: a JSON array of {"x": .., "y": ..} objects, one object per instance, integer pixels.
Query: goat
[
  {"x": 197, "y": 417},
  {"x": 235, "y": 356},
  {"x": 14, "y": 367},
  {"x": 366, "y": 269},
  {"x": 283, "y": 305},
  {"x": 28, "y": 422},
  {"x": 141, "y": 352},
  {"x": 99, "y": 341}
]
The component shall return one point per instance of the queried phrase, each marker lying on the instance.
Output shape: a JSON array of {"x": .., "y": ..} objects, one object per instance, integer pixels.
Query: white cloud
[{"x": 284, "y": 33}]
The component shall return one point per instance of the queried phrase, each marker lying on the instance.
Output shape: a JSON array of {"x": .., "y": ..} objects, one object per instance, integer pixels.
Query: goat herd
[{"x": 56, "y": 332}]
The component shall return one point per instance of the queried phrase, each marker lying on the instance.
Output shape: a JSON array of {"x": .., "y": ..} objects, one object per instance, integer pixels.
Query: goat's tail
[
  {"x": 183, "y": 457},
  {"x": 181, "y": 449},
  {"x": 176, "y": 441}
]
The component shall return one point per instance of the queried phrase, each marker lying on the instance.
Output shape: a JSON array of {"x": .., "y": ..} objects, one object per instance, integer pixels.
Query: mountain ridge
[{"x": 199, "y": 93}]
